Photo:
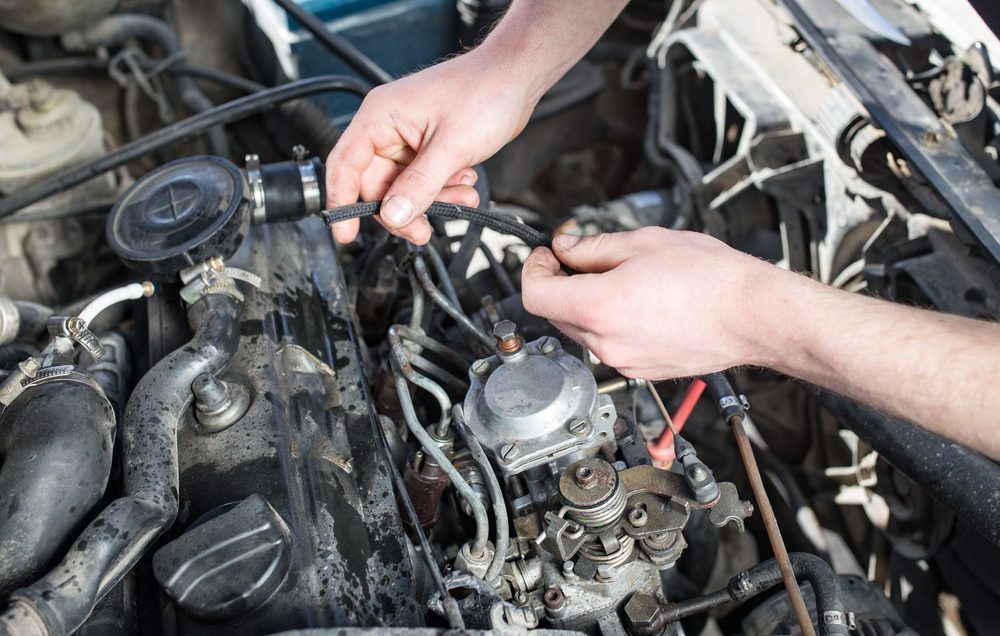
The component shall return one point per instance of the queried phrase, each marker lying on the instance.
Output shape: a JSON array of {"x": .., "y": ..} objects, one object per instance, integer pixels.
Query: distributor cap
[{"x": 180, "y": 214}]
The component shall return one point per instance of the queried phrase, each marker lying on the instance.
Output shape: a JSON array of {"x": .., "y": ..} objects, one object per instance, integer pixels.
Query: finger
[
  {"x": 595, "y": 254},
  {"x": 418, "y": 232},
  {"x": 460, "y": 195},
  {"x": 418, "y": 185},
  {"x": 465, "y": 176},
  {"x": 345, "y": 166},
  {"x": 377, "y": 179},
  {"x": 548, "y": 292},
  {"x": 345, "y": 231}
]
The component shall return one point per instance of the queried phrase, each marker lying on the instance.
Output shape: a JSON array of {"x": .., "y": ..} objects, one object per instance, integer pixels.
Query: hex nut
[{"x": 642, "y": 612}]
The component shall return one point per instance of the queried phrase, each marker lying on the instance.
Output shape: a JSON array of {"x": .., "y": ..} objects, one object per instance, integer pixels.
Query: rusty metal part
[
  {"x": 425, "y": 483},
  {"x": 593, "y": 493},
  {"x": 771, "y": 526},
  {"x": 554, "y": 598}
]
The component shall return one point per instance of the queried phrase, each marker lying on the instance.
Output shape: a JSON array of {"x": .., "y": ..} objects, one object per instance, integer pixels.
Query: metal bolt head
[
  {"x": 505, "y": 330},
  {"x": 547, "y": 344},
  {"x": 605, "y": 572},
  {"x": 508, "y": 342},
  {"x": 554, "y": 598},
  {"x": 642, "y": 612},
  {"x": 638, "y": 517},
  {"x": 509, "y": 452},
  {"x": 481, "y": 367},
  {"x": 585, "y": 476},
  {"x": 580, "y": 428},
  {"x": 567, "y": 568}
]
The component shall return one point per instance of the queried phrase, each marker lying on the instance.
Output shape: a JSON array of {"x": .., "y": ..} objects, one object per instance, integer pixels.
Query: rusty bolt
[
  {"x": 642, "y": 612},
  {"x": 509, "y": 452},
  {"x": 638, "y": 517},
  {"x": 554, "y": 598},
  {"x": 584, "y": 476},
  {"x": 505, "y": 333}
]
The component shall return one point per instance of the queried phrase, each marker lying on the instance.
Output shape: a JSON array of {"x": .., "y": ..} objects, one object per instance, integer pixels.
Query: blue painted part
[{"x": 401, "y": 36}]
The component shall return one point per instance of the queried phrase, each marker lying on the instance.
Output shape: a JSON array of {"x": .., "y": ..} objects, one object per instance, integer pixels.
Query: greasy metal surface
[{"x": 305, "y": 445}]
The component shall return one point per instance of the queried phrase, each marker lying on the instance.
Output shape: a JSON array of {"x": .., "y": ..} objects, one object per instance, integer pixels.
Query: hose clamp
[
  {"x": 256, "y": 182},
  {"x": 835, "y": 617},
  {"x": 310, "y": 180}
]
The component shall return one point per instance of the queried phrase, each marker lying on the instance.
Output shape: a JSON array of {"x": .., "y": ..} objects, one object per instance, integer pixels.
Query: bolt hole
[
  {"x": 605, "y": 415},
  {"x": 975, "y": 295},
  {"x": 603, "y": 435}
]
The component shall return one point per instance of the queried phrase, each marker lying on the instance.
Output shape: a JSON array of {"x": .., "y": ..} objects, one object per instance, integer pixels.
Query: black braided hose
[{"x": 531, "y": 237}]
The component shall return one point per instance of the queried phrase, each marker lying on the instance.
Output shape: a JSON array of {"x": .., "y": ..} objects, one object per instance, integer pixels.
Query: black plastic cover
[
  {"x": 228, "y": 566},
  {"x": 180, "y": 214}
]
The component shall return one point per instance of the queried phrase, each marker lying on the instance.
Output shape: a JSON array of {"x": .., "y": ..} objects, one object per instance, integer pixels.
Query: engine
[{"x": 214, "y": 420}]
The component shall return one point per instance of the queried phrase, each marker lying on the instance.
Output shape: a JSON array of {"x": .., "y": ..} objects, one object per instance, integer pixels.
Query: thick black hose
[
  {"x": 502, "y": 224},
  {"x": 185, "y": 129},
  {"x": 115, "y": 541},
  {"x": 336, "y": 43},
  {"x": 957, "y": 477},
  {"x": 832, "y": 614},
  {"x": 116, "y": 29},
  {"x": 55, "y": 450}
]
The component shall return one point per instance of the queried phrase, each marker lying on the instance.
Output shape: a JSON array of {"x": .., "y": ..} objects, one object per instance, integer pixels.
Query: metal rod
[{"x": 771, "y": 526}]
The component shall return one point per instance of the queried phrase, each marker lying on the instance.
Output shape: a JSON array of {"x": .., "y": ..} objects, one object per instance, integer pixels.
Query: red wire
[{"x": 663, "y": 449}]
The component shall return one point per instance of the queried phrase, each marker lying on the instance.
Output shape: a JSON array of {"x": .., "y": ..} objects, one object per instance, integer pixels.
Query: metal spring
[
  {"x": 594, "y": 550},
  {"x": 602, "y": 515}
]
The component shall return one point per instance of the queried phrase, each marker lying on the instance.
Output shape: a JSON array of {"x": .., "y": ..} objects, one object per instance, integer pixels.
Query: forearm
[
  {"x": 932, "y": 369},
  {"x": 537, "y": 41}
]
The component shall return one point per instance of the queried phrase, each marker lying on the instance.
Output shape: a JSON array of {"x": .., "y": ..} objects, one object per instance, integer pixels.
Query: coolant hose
[
  {"x": 115, "y": 541},
  {"x": 833, "y": 617},
  {"x": 504, "y": 225},
  {"x": 55, "y": 449},
  {"x": 184, "y": 129},
  {"x": 119, "y": 28}
]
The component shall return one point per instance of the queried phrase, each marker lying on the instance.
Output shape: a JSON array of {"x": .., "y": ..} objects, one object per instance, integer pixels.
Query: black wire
[
  {"x": 502, "y": 224},
  {"x": 184, "y": 129},
  {"x": 70, "y": 65},
  {"x": 336, "y": 43}
]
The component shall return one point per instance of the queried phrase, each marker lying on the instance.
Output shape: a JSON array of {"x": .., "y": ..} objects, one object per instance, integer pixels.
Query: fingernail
[
  {"x": 565, "y": 241},
  {"x": 469, "y": 179},
  {"x": 396, "y": 209}
]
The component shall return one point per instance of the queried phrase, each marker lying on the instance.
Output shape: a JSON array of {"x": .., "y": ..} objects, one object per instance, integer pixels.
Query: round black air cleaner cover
[{"x": 180, "y": 214}]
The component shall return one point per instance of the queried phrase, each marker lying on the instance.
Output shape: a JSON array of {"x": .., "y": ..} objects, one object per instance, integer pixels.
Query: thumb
[
  {"x": 594, "y": 254},
  {"x": 418, "y": 185}
]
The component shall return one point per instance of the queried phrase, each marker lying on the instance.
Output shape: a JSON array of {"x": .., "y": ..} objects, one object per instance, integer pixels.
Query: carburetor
[{"x": 535, "y": 405}]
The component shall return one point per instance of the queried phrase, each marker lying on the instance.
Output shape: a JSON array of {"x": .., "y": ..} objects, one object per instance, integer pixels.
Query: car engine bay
[{"x": 215, "y": 420}]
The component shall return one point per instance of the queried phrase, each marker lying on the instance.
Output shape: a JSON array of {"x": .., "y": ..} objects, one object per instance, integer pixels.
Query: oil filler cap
[{"x": 180, "y": 214}]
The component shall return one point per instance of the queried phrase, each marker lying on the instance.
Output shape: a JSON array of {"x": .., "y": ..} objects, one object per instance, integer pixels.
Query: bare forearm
[
  {"x": 932, "y": 369},
  {"x": 539, "y": 40}
]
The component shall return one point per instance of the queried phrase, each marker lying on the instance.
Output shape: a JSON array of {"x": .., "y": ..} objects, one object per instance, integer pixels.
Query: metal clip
[
  {"x": 310, "y": 180},
  {"x": 256, "y": 182}
]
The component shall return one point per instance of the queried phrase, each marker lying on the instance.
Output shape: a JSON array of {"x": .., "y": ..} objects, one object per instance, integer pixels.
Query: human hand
[
  {"x": 413, "y": 141},
  {"x": 653, "y": 303}
]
